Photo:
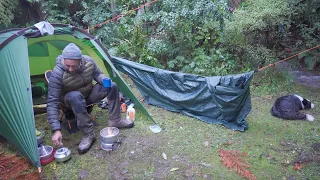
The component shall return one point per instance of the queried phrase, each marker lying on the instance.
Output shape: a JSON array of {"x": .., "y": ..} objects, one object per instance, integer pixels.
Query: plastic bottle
[{"x": 131, "y": 112}]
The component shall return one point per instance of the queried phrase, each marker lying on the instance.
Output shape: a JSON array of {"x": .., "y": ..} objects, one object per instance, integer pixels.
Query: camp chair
[
  {"x": 47, "y": 75},
  {"x": 72, "y": 124}
]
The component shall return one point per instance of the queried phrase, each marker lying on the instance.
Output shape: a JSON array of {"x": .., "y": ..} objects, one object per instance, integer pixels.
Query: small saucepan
[
  {"x": 45, "y": 154},
  {"x": 109, "y": 135},
  {"x": 62, "y": 154}
]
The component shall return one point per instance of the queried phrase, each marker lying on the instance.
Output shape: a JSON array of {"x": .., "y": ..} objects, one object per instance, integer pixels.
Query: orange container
[{"x": 123, "y": 107}]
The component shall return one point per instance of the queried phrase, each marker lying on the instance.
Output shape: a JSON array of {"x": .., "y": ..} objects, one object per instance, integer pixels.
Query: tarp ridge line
[{"x": 288, "y": 58}]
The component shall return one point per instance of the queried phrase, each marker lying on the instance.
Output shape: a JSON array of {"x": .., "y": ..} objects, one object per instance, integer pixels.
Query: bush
[
  {"x": 264, "y": 31},
  {"x": 7, "y": 9},
  {"x": 253, "y": 31}
]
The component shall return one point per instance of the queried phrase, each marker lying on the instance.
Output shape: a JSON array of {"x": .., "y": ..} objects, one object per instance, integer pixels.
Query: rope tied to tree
[{"x": 290, "y": 57}]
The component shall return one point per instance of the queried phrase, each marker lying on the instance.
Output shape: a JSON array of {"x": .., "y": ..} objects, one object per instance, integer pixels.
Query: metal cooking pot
[
  {"x": 40, "y": 138},
  {"x": 62, "y": 154},
  {"x": 110, "y": 147},
  {"x": 109, "y": 135},
  {"x": 105, "y": 146},
  {"x": 45, "y": 152}
]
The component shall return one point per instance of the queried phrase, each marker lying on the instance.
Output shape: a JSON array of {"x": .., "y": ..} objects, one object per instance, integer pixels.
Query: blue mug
[{"x": 106, "y": 82}]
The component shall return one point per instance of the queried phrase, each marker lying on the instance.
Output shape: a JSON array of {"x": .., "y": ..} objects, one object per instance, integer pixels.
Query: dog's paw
[
  {"x": 309, "y": 117},
  {"x": 312, "y": 105}
]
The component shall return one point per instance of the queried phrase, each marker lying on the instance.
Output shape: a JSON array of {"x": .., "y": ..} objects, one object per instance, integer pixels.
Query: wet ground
[
  {"x": 302, "y": 75},
  {"x": 308, "y": 78}
]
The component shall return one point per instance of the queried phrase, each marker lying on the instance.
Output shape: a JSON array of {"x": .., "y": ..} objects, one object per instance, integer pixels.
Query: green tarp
[{"x": 216, "y": 100}]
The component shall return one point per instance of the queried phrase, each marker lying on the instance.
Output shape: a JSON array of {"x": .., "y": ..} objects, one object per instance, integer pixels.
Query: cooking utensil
[
  {"x": 109, "y": 135},
  {"x": 110, "y": 147},
  {"x": 40, "y": 138},
  {"x": 45, "y": 154},
  {"x": 62, "y": 154}
]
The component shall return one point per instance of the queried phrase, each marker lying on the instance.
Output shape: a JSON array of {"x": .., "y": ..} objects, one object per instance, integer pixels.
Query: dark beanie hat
[{"x": 71, "y": 51}]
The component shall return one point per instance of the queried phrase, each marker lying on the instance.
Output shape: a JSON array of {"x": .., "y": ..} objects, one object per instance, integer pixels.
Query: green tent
[{"x": 26, "y": 53}]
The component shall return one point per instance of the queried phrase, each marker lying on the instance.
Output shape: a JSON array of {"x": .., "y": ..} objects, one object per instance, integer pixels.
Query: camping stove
[
  {"x": 109, "y": 138},
  {"x": 110, "y": 147}
]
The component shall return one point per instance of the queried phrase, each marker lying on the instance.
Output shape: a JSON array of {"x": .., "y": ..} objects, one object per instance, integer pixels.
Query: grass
[{"x": 192, "y": 146}]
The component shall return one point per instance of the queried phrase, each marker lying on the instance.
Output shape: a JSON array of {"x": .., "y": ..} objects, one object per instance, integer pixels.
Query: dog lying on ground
[{"x": 288, "y": 107}]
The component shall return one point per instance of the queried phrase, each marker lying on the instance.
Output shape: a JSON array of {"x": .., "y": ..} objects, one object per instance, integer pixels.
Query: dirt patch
[
  {"x": 310, "y": 155},
  {"x": 305, "y": 154},
  {"x": 15, "y": 167}
]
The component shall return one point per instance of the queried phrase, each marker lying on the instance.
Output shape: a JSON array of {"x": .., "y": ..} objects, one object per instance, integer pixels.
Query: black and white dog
[{"x": 288, "y": 107}]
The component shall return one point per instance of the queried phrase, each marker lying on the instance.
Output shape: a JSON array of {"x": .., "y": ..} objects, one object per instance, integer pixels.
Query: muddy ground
[{"x": 15, "y": 166}]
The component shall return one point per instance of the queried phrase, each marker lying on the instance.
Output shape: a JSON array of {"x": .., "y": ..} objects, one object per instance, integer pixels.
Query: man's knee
[
  {"x": 114, "y": 87},
  {"x": 74, "y": 97}
]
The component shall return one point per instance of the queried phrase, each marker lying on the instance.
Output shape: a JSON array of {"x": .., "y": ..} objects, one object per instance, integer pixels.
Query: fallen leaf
[
  {"x": 234, "y": 159},
  {"x": 174, "y": 169},
  {"x": 298, "y": 166},
  {"x": 164, "y": 156}
]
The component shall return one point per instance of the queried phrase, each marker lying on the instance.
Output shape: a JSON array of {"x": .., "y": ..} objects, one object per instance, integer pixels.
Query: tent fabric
[
  {"x": 6, "y": 34},
  {"x": 16, "y": 114},
  {"x": 216, "y": 100},
  {"x": 25, "y": 53}
]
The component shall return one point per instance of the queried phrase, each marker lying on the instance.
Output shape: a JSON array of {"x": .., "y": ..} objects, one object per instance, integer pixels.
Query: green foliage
[
  {"x": 260, "y": 15},
  {"x": 188, "y": 27},
  {"x": 208, "y": 65},
  {"x": 261, "y": 31},
  {"x": 171, "y": 34},
  {"x": 7, "y": 9},
  {"x": 272, "y": 81},
  {"x": 95, "y": 12},
  {"x": 180, "y": 36},
  {"x": 61, "y": 11},
  {"x": 307, "y": 24},
  {"x": 196, "y": 36},
  {"x": 257, "y": 55},
  {"x": 253, "y": 31},
  {"x": 310, "y": 59}
]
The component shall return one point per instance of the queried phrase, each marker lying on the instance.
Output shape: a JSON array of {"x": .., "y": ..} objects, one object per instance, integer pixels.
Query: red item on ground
[
  {"x": 49, "y": 160},
  {"x": 298, "y": 166}
]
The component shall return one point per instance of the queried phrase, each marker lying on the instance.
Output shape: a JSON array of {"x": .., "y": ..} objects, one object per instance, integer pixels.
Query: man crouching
[{"x": 70, "y": 86}]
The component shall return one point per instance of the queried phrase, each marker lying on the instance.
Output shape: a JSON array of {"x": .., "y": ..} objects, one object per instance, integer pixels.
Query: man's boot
[
  {"x": 86, "y": 143},
  {"x": 121, "y": 123}
]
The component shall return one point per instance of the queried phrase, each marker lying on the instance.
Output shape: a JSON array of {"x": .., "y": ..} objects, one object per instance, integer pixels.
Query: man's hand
[{"x": 57, "y": 138}]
